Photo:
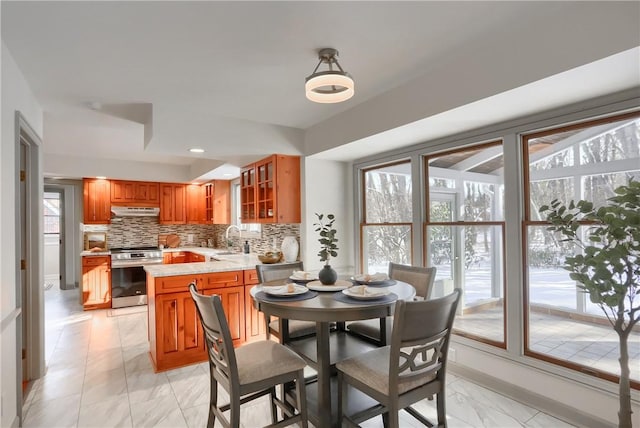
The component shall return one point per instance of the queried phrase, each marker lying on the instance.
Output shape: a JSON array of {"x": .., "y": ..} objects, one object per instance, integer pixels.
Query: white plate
[
  {"x": 283, "y": 290},
  {"x": 375, "y": 279},
  {"x": 369, "y": 293},
  {"x": 338, "y": 286},
  {"x": 301, "y": 280}
]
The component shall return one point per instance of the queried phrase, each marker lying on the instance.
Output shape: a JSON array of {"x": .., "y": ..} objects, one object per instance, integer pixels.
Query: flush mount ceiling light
[
  {"x": 196, "y": 150},
  {"x": 332, "y": 85}
]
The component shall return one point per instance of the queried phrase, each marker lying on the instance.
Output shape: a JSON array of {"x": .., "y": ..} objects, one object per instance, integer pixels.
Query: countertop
[
  {"x": 95, "y": 253},
  {"x": 223, "y": 263}
]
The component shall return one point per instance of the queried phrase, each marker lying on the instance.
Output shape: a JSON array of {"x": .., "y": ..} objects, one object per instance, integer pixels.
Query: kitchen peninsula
[{"x": 175, "y": 336}]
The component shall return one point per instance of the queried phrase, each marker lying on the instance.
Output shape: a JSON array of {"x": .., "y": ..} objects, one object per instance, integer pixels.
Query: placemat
[
  {"x": 261, "y": 295},
  {"x": 341, "y": 297}
]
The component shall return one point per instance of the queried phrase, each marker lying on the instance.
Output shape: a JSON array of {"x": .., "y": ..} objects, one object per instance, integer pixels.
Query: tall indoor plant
[
  {"x": 608, "y": 267},
  {"x": 328, "y": 247}
]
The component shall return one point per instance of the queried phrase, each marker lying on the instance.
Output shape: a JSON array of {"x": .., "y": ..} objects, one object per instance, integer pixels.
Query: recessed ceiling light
[
  {"x": 196, "y": 150},
  {"x": 101, "y": 177},
  {"x": 227, "y": 174}
]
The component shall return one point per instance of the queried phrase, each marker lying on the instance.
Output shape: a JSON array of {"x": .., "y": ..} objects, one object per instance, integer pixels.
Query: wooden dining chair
[
  {"x": 284, "y": 329},
  {"x": 248, "y": 372},
  {"x": 413, "y": 367},
  {"x": 377, "y": 330}
]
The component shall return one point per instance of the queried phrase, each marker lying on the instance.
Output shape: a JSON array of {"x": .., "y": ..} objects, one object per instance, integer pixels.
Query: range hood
[{"x": 135, "y": 211}]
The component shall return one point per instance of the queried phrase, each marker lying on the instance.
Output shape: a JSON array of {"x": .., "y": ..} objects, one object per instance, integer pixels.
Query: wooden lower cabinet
[
  {"x": 96, "y": 282},
  {"x": 255, "y": 328},
  {"x": 175, "y": 335}
]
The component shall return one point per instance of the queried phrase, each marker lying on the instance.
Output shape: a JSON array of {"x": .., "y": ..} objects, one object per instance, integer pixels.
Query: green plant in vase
[{"x": 328, "y": 247}]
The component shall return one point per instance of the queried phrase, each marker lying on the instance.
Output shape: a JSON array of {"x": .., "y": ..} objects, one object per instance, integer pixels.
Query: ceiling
[{"x": 139, "y": 83}]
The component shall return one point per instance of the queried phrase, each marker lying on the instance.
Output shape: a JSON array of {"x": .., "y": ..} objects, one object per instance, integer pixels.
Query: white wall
[
  {"x": 327, "y": 188},
  {"x": 16, "y": 96}
]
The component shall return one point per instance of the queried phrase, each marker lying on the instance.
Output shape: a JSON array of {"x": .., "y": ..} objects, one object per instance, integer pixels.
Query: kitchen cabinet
[
  {"x": 195, "y": 204},
  {"x": 270, "y": 190},
  {"x": 97, "y": 201},
  {"x": 139, "y": 193},
  {"x": 175, "y": 334},
  {"x": 218, "y": 202},
  {"x": 254, "y": 320},
  {"x": 172, "y": 204},
  {"x": 173, "y": 257},
  {"x": 96, "y": 282}
]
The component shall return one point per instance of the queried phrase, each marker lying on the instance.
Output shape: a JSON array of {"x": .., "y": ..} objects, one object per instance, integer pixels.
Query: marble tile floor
[{"x": 99, "y": 375}]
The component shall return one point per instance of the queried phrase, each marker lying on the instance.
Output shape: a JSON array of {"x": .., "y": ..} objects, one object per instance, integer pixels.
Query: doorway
[{"x": 53, "y": 204}]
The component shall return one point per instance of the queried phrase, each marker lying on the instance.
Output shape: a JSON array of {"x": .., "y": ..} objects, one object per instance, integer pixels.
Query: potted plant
[
  {"x": 328, "y": 246},
  {"x": 608, "y": 267}
]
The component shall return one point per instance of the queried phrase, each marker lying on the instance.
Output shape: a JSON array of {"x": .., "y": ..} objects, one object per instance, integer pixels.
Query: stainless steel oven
[{"x": 128, "y": 278}]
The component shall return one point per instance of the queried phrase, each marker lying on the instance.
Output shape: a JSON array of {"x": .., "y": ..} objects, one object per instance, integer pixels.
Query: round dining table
[{"x": 329, "y": 347}]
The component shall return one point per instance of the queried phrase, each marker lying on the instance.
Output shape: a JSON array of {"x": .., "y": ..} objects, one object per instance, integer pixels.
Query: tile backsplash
[{"x": 126, "y": 232}]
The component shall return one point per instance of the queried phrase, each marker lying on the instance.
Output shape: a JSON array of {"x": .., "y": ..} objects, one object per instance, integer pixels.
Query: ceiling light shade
[{"x": 332, "y": 85}]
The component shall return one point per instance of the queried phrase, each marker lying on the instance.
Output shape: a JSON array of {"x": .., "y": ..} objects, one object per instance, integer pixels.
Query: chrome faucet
[{"x": 226, "y": 234}]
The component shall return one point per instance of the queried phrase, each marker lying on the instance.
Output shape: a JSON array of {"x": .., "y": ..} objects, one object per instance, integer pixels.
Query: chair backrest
[
  {"x": 278, "y": 271},
  {"x": 421, "y": 278},
  {"x": 420, "y": 340},
  {"x": 222, "y": 357}
]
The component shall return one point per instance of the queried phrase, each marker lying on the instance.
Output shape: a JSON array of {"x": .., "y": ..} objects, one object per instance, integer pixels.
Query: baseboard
[{"x": 561, "y": 411}]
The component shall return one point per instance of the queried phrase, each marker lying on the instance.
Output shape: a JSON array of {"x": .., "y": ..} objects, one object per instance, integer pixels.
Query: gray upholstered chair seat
[
  {"x": 369, "y": 328},
  {"x": 265, "y": 359},
  {"x": 372, "y": 368},
  {"x": 297, "y": 328}
]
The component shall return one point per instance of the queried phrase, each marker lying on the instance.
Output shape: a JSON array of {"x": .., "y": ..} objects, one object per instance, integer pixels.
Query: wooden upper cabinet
[
  {"x": 217, "y": 196},
  {"x": 140, "y": 193},
  {"x": 248, "y": 194},
  {"x": 221, "y": 202},
  {"x": 173, "y": 203},
  {"x": 97, "y": 201},
  {"x": 270, "y": 190},
  {"x": 196, "y": 213}
]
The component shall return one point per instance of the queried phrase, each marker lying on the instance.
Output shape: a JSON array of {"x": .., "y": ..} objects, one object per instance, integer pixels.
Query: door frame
[{"x": 28, "y": 244}]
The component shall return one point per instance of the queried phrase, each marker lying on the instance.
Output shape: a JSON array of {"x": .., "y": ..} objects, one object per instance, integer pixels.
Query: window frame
[
  {"x": 528, "y": 222},
  {"x": 462, "y": 223},
  {"x": 363, "y": 221}
]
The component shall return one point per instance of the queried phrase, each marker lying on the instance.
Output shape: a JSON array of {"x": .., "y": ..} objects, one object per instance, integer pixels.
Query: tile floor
[{"x": 99, "y": 375}]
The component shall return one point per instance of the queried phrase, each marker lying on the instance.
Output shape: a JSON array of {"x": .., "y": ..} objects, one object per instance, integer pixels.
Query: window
[
  {"x": 388, "y": 216},
  {"x": 464, "y": 216},
  {"x": 51, "y": 213},
  {"x": 584, "y": 161},
  {"x": 464, "y": 236}
]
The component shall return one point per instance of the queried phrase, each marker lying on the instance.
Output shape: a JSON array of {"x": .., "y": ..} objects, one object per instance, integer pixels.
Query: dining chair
[
  {"x": 377, "y": 330},
  {"x": 248, "y": 372},
  {"x": 284, "y": 329},
  {"x": 413, "y": 367}
]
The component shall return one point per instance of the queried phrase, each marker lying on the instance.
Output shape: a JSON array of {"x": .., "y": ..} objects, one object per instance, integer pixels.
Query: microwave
[{"x": 95, "y": 240}]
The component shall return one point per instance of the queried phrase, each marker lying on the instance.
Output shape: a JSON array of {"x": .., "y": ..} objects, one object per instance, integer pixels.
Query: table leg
[{"x": 324, "y": 374}]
